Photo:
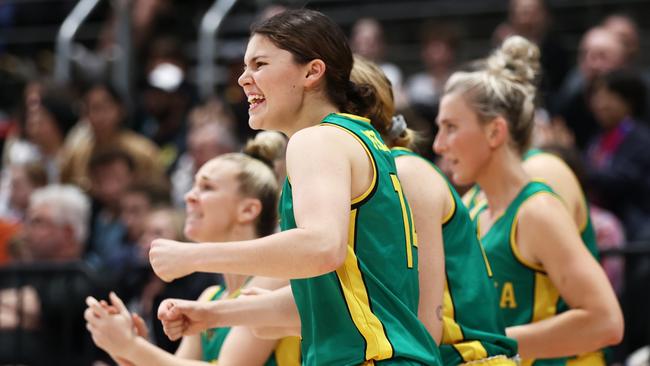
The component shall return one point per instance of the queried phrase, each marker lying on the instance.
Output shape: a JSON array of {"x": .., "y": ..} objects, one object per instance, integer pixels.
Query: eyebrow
[{"x": 255, "y": 58}]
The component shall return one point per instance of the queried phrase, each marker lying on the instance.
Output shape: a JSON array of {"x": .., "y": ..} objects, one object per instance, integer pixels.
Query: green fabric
[
  {"x": 468, "y": 284},
  {"x": 525, "y": 292},
  {"x": 366, "y": 309}
]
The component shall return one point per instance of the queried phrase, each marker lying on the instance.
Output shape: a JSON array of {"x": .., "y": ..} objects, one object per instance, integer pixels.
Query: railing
[
  {"x": 59, "y": 337},
  {"x": 65, "y": 37},
  {"x": 207, "y": 44}
]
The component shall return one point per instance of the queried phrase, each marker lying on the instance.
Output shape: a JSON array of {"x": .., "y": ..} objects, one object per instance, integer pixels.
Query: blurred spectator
[
  {"x": 600, "y": 52},
  {"x": 111, "y": 172},
  {"x": 49, "y": 309},
  {"x": 142, "y": 290},
  {"x": 617, "y": 158},
  {"x": 210, "y": 135},
  {"x": 166, "y": 98},
  {"x": 628, "y": 32},
  {"x": 135, "y": 205},
  {"x": 46, "y": 126},
  {"x": 367, "y": 40},
  {"x": 440, "y": 44},
  {"x": 532, "y": 19},
  {"x": 106, "y": 115},
  {"x": 23, "y": 180}
]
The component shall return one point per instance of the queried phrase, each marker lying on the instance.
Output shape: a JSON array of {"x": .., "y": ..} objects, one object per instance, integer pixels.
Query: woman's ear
[
  {"x": 249, "y": 210},
  {"x": 496, "y": 132},
  {"x": 315, "y": 72}
]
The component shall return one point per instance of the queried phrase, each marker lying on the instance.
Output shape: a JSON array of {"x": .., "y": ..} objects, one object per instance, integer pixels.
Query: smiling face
[
  {"x": 461, "y": 139},
  {"x": 212, "y": 204},
  {"x": 273, "y": 83}
]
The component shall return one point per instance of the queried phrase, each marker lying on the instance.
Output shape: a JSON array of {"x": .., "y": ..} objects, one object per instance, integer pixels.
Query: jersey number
[{"x": 409, "y": 231}]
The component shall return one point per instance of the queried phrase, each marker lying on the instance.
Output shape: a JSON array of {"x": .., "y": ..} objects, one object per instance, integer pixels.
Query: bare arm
[
  {"x": 273, "y": 309},
  {"x": 321, "y": 180},
  {"x": 546, "y": 234},
  {"x": 427, "y": 194}
]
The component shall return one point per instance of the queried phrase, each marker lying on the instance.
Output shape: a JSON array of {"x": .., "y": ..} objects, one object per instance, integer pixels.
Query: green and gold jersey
[
  {"x": 525, "y": 291},
  {"x": 470, "y": 332},
  {"x": 366, "y": 310},
  {"x": 587, "y": 232},
  {"x": 286, "y": 353}
]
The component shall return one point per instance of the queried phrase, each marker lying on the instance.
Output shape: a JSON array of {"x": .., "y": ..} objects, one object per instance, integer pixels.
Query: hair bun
[
  {"x": 518, "y": 59},
  {"x": 267, "y": 146}
]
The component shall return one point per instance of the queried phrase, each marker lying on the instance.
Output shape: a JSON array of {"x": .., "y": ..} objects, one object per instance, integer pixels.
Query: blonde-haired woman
[
  {"x": 234, "y": 197},
  {"x": 451, "y": 257},
  {"x": 555, "y": 299}
]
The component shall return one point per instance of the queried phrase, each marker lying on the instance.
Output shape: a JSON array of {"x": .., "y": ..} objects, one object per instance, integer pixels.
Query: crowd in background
[{"x": 90, "y": 177}]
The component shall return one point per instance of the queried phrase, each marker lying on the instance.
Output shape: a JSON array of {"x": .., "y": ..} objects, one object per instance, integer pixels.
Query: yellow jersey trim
[
  {"x": 378, "y": 347},
  {"x": 355, "y": 117},
  {"x": 513, "y": 238},
  {"x": 588, "y": 359},
  {"x": 451, "y": 332},
  {"x": 287, "y": 352},
  {"x": 546, "y": 297},
  {"x": 373, "y": 183},
  {"x": 452, "y": 210},
  {"x": 471, "y": 351}
]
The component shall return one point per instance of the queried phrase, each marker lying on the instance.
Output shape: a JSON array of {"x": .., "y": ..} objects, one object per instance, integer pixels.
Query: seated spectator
[
  {"x": 111, "y": 172},
  {"x": 42, "y": 309},
  {"x": 532, "y": 19},
  {"x": 205, "y": 140},
  {"x": 440, "y": 44},
  {"x": 600, "y": 52},
  {"x": 367, "y": 40},
  {"x": 617, "y": 158},
  {"x": 47, "y": 124},
  {"x": 106, "y": 114},
  {"x": 23, "y": 179}
]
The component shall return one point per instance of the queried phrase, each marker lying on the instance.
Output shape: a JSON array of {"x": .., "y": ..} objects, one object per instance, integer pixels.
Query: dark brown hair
[{"x": 309, "y": 35}]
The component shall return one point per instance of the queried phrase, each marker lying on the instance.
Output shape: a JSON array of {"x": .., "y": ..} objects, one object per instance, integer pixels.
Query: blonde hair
[
  {"x": 381, "y": 112},
  {"x": 503, "y": 85},
  {"x": 256, "y": 176}
]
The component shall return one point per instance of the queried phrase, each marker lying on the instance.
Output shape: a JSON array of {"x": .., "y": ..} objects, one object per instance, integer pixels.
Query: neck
[
  {"x": 502, "y": 179},
  {"x": 310, "y": 114},
  {"x": 234, "y": 282}
]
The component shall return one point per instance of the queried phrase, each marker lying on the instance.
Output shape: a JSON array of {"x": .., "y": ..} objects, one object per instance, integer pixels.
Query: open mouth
[{"x": 254, "y": 100}]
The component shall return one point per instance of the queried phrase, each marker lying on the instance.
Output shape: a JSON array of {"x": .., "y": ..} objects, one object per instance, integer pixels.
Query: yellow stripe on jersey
[
  {"x": 452, "y": 334},
  {"x": 355, "y": 117},
  {"x": 287, "y": 352},
  {"x": 378, "y": 346},
  {"x": 408, "y": 228},
  {"x": 471, "y": 351},
  {"x": 588, "y": 359},
  {"x": 451, "y": 212},
  {"x": 365, "y": 194},
  {"x": 513, "y": 242},
  {"x": 546, "y": 297}
]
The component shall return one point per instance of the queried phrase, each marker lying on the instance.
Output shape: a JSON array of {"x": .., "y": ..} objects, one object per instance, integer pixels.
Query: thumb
[
  {"x": 117, "y": 302},
  {"x": 166, "y": 310}
]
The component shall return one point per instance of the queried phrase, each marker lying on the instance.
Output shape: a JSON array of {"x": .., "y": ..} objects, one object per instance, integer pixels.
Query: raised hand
[
  {"x": 184, "y": 317},
  {"x": 111, "y": 326},
  {"x": 166, "y": 258}
]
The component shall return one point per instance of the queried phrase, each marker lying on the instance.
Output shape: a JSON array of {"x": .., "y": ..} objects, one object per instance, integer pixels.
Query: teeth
[{"x": 255, "y": 98}]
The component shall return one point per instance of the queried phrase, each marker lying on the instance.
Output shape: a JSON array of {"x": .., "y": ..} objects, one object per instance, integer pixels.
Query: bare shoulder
[
  {"x": 552, "y": 169},
  {"x": 420, "y": 171},
  {"x": 542, "y": 208}
]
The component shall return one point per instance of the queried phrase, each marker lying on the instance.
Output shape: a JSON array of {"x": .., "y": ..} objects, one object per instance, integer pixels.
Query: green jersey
[
  {"x": 525, "y": 291},
  {"x": 587, "y": 232},
  {"x": 286, "y": 353},
  {"x": 366, "y": 310},
  {"x": 470, "y": 333}
]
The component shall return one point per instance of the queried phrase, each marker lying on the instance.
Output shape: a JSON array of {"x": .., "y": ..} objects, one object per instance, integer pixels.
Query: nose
[
  {"x": 190, "y": 196},
  {"x": 244, "y": 78},
  {"x": 439, "y": 145}
]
